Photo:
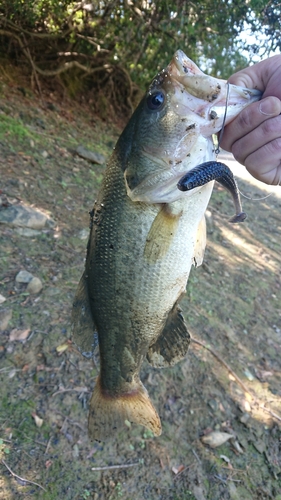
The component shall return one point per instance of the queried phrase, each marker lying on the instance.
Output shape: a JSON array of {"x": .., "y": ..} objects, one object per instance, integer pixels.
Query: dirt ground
[{"x": 229, "y": 382}]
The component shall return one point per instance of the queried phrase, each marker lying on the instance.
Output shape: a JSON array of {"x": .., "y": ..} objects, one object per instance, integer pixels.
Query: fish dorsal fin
[
  {"x": 82, "y": 323},
  {"x": 200, "y": 243},
  {"x": 172, "y": 345}
]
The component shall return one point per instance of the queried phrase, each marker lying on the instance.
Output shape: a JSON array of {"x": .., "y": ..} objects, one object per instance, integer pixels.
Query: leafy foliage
[{"x": 108, "y": 44}]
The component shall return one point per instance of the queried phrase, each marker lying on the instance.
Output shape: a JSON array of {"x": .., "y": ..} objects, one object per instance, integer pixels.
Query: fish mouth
[{"x": 211, "y": 99}]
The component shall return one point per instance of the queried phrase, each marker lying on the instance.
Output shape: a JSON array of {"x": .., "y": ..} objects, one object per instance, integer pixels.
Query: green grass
[{"x": 14, "y": 128}]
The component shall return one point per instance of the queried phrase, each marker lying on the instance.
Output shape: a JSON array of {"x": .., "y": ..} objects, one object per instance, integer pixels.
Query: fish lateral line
[{"x": 214, "y": 171}]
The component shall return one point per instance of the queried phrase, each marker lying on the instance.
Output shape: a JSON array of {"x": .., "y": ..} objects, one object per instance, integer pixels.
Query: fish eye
[{"x": 156, "y": 100}]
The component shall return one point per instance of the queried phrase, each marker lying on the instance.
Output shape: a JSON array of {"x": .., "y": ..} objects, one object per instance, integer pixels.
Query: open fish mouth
[
  {"x": 188, "y": 107},
  {"x": 214, "y": 93}
]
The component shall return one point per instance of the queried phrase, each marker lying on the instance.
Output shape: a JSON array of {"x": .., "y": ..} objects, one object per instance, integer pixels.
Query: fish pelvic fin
[
  {"x": 172, "y": 344},
  {"x": 82, "y": 323},
  {"x": 200, "y": 243},
  {"x": 111, "y": 413}
]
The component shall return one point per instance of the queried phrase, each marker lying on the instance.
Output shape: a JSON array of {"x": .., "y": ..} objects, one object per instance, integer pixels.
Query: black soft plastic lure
[{"x": 214, "y": 171}]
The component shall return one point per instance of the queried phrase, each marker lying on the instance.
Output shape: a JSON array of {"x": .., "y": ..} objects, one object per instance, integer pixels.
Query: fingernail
[{"x": 267, "y": 107}]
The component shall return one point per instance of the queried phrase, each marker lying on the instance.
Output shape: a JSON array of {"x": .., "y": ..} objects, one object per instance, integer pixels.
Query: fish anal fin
[
  {"x": 172, "y": 345},
  {"x": 82, "y": 323},
  {"x": 200, "y": 243},
  {"x": 108, "y": 414},
  {"x": 161, "y": 234}
]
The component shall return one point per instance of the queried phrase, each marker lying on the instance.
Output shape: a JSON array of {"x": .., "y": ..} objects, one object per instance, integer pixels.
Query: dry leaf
[
  {"x": 246, "y": 406},
  {"x": 178, "y": 469},
  {"x": 16, "y": 334},
  {"x": 216, "y": 438},
  {"x": 38, "y": 421},
  {"x": 2, "y": 299},
  {"x": 237, "y": 447},
  {"x": 12, "y": 373},
  {"x": 61, "y": 348}
]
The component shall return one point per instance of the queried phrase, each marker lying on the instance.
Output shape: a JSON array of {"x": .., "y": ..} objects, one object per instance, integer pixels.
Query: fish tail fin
[{"x": 109, "y": 413}]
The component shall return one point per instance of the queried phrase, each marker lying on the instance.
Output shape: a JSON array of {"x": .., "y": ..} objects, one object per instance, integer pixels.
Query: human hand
[{"x": 254, "y": 136}]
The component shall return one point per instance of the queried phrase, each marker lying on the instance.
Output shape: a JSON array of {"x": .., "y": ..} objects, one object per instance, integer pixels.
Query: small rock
[
  {"x": 51, "y": 106},
  {"x": 245, "y": 418},
  {"x": 213, "y": 404},
  {"x": 40, "y": 123},
  {"x": 34, "y": 286},
  {"x": 83, "y": 234},
  {"x": 2, "y": 299},
  {"x": 45, "y": 154},
  {"x": 75, "y": 451},
  {"x": 259, "y": 445},
  {"x": 24, "y": 277},
  {"x": 216, "y": 438},
  {"x": 5, "y": 316},
  {"x": 17, "y": 334},
  {"x": 249, "y": 375},
  {"x": 23, "y": 216},
  {"x": 90, "y": 155},
  {"x": 29, "y": 233}
]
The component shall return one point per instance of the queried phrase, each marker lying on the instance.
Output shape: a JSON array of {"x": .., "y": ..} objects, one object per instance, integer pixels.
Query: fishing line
[
  {"x": 254, "y": 199},
  {"x": 264, "y": 197},
  {"x": 217, "y": 150}
]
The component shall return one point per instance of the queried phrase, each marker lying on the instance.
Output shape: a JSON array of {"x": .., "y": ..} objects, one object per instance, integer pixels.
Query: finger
[
  {"x": 268, "y": 131},
  {"x": 265, "y": 163},
  {"x": 264, "y": 76},
  {"x": 250, "y": 118}
]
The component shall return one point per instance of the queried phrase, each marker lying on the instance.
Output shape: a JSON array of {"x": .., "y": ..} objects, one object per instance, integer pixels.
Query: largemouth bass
[{"x": 146, "y": 233}]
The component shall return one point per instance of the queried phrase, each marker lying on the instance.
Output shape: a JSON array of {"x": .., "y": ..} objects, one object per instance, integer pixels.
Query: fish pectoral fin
[
  {"x": 109, "y": 414},
  {"x": 161, "y": 234},
  {"x": 172, "y": 345},
  {"x": 200, "y": 243},
  {"x": 82, "y": 323}
]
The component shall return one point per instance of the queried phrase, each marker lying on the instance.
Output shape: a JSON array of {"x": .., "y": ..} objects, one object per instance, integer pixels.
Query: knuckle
[
  {"x": 238, "y": 152},
  {"x": 245, "y": 119},
  {"x": 271, "y": 126},
  {"x": 276, "y": 145}
]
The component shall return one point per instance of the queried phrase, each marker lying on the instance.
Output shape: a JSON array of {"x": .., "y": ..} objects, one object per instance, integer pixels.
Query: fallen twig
[
  {"x": 272, "y": 413},
  {"x": 196, "y": 456},
  {"x": 21, "y": 478},
  {"x": 75, "y": 389},
  {"x": 238, "y": 380},
  {"x": 110, "y": 467},
  {"x": 183, "y": 470},
  {"x": 216, "y": 355},
  {"x": 48, "y": 446}
]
